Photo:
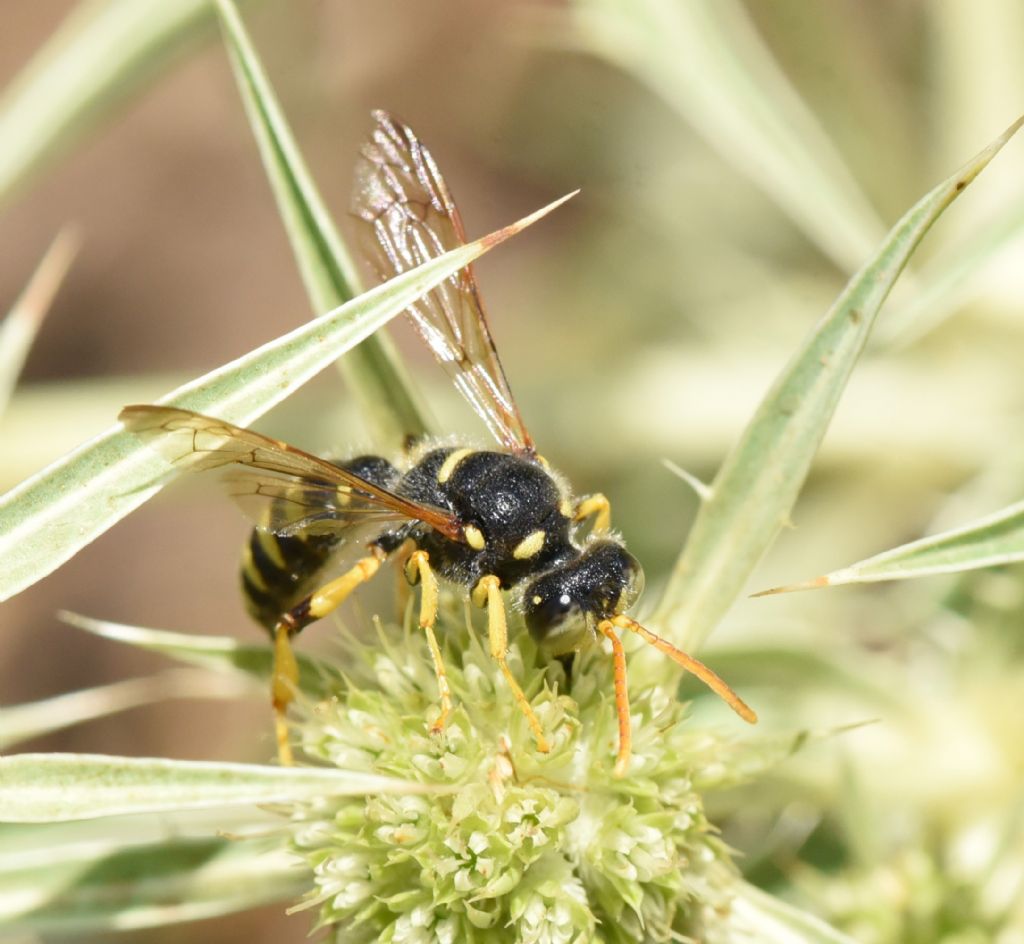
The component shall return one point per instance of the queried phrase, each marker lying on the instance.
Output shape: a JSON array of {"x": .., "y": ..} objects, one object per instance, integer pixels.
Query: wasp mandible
[{"x": 488, "y": 521}]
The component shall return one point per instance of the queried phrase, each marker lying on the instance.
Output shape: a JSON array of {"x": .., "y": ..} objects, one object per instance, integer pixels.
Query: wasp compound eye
[
  {"x": 610, "y": 579},
  {"x": 553, "y": 614},
  {"x": 633, "y": 581}
]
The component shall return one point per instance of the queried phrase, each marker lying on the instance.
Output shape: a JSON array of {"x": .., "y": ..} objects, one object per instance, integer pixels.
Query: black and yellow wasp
[{"x": 485, "y": 520}]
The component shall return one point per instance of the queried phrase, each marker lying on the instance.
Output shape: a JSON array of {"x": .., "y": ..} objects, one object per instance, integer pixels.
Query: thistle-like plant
[
  {"x": 386, "y": 831},
  {"x": 507, "y": 844}
]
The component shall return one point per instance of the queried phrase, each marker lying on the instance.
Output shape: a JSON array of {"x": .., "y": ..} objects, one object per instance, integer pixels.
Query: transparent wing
[
  {"x": 195, "y": 442},
  {"x": 410, "y": 217},
  {"x": 290, "y": 506}
]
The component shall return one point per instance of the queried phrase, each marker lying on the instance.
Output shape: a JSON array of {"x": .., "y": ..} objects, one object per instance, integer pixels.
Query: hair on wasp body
[{"x": 488, "y": 521}]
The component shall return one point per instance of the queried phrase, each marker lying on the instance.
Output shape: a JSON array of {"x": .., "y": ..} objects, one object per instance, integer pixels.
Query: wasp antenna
[
  {"x": 695, "y": 666},
  {"x": 621, "y": 699}
]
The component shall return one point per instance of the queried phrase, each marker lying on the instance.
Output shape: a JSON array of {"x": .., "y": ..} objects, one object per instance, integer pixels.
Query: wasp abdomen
[{"x": 278, "y": 571}]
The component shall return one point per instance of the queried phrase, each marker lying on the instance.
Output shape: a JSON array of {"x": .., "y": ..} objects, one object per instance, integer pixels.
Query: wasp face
[{"x": 602, "y": 582}]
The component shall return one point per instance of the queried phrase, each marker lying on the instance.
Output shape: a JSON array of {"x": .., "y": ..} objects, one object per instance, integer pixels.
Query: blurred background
[{"x": 737, "y": 162}]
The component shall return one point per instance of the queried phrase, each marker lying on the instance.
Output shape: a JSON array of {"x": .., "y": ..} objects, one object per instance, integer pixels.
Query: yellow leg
[
  {"x": 488, "y": 592},
  {"x": 688, "y": 662},
  {"x": 418, "y": 568},
  {"x": 331, "y": 595},
  {"x": 621, "y": 699},
  {"x": 599, "y": 508},
  {"x": 283, "y": 684},
  {"x": 285, "y": 676},
  {"x": 402, "y": 579}
]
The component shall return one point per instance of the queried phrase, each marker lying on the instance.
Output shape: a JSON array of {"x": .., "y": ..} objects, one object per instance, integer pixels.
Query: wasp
[{"x": 488, "y": 521}]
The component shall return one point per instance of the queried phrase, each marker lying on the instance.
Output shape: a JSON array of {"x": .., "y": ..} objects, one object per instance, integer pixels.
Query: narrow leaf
[
  {"x": 218, "y": 653},
  {"x": 992, "y": 541},
  {"x": 21, "y": 722},
  {"x": 50, "y": 417},
  {"x": 18, "y": 329},
  {"x": 52, "y": 515},
  {"x": 755, "y": 489},
  {"x": 745, "y": 760},
  {"x": 756, "y": 917},
  {"x": 792, "y": 669},
  {"x": 950, "y": 279},
  {"x": 371, "y": 369},
  {"x": 115, "y": 886},
  {"x": 101, "y": 51},
  {"x": 706, "y": 60},
  {"x": 47, "y": 788}
]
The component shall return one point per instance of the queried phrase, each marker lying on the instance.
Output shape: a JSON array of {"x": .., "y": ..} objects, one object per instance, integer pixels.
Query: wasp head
[{"x": 602, "y": 582}]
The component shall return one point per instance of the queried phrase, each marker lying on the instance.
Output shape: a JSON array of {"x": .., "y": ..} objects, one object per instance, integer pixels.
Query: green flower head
[{"x": 510, "y": 845}]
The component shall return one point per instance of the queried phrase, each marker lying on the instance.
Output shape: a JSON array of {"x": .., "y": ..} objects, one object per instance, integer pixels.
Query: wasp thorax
[{"x": 602, "y": 582}]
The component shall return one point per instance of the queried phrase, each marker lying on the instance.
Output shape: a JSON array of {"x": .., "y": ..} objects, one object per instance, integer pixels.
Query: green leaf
[
  {"x": 220, "y": 653},
  {"x": 48, "y": 418},
  {"x": 142, "y": 829},
  {"x": 102, "y": 50},
  {"x": 706, "y": 60},
  {"x": 793, "y": 669},
  {"x": 755, "y": 489},
  {"x": 52, "y": 515},
  {"x": 992, "y": 541},
  {"x": 755, "y": 917},
  {"x": 21, "y": 722},
  {"x": 745, "y": 760},
  {"x": 18, "y": 329},
  {"x": 952, "y": 278},
  {"x": 55, "y": 887},
  {"x": 49, "y": 788},
  {"x": 371, "y": 369}
]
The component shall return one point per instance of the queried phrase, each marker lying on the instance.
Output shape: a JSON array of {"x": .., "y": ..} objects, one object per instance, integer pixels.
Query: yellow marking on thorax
[
  {"x": 474, "y": 537},
  {"x": 449, "y": 464},
  {"x": 565, "y": 508},
  {"x": 530, "y": 546}
]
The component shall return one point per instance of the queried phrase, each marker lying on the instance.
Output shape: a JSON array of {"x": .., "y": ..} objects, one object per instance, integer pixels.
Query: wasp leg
[
  {"x": 418, "y": 568},
  {"x": 621, "y": 698},
  {"x": 317, "y": 605},
  {"x": 599, "y": 508},
  {"x": 400, "y": 557},
  {"x": 283, "y": 681},
  {"x": 487, "y": 593}
]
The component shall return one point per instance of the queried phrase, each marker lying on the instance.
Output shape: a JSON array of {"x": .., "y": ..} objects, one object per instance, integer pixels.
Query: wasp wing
[
  {"x": 294, "y": 507},
  {"x": 196, "y": 443},
  {"x": 410, "y": 217}
]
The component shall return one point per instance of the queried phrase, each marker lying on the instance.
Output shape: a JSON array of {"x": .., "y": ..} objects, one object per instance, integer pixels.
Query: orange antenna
[
  {"x": 621, "y": 698},
  {"x": 695, "y": 666}
]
